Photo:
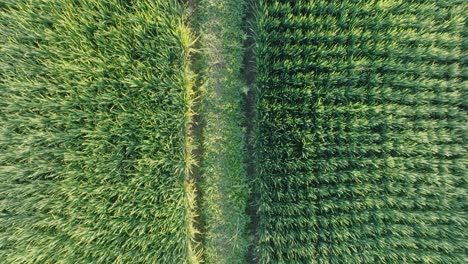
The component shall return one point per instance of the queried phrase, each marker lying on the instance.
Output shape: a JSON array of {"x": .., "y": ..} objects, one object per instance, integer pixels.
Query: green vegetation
[
  {"x": 361, "y": 153},
  {"x": 95, "y": 152},
  {"x": 124, "y": 140},
  {"x": 223, "y": 180}
]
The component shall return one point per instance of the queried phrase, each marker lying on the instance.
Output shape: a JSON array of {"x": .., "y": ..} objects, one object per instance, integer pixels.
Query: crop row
[{"x": 360, "y": 143}]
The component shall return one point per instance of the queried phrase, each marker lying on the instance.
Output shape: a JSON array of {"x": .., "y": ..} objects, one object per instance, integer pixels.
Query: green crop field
[
  {"x": 361, "y": 151},
  {"x": 233, "y": 131},
  {"x": 96, "y": 99}
]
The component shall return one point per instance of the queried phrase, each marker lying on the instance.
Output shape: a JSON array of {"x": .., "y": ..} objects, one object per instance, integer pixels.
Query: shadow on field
[{"x": 249, "y": 74}]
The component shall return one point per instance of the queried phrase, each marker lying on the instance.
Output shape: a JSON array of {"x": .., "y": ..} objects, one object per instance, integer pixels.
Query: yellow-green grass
[{"x": 95, "y": 149}]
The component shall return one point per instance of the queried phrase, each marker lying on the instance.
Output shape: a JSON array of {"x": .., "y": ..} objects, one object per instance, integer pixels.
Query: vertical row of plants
[
  {"x": 95, "y": 150},
  {"x": 223, "y": 184},
  {"x": 361, "y": 154}
]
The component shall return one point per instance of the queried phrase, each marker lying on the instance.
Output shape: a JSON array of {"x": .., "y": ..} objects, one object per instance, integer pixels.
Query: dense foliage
[
  {"x": 360, "y": 132},
  {"x": 95, "y": 153},
  {"x": 361, "y": 153}
]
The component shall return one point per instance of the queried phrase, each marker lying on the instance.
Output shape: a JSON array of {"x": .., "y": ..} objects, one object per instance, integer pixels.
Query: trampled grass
[
  {"x": 361, "y": 153},
  {"x": 223, "y": 185},
  {"x": 95, "y": 154}
]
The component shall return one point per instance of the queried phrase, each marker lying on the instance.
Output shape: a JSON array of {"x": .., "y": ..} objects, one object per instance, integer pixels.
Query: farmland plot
[
  {"x": 95, "y": 152},
  {"x": 360, "y": 141}
]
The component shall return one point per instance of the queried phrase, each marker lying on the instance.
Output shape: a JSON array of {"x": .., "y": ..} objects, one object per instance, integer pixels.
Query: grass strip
[{"x": 224, "y": 185}]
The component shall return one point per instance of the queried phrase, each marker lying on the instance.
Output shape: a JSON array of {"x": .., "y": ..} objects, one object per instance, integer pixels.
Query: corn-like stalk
[{"x": 360, "y": 144}]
